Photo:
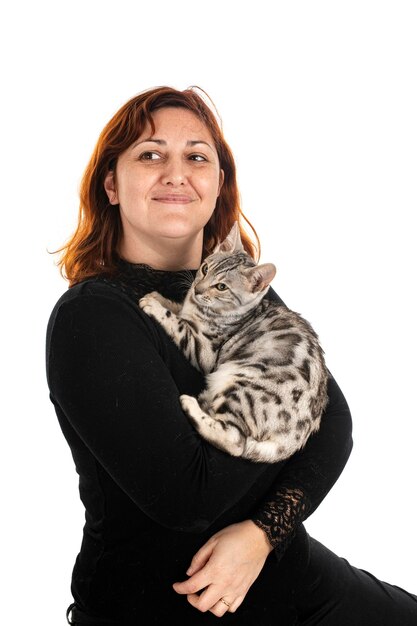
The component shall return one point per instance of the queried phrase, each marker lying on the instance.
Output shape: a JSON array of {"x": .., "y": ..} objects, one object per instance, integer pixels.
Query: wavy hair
[{"x": 93, "y": 248}]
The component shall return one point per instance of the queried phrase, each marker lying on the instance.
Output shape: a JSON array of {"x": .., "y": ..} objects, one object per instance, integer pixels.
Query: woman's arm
[
  {"x": 227, "y": 565},
  {"x": 309, "y": 474},
  {"x": 108, "y": 379}
]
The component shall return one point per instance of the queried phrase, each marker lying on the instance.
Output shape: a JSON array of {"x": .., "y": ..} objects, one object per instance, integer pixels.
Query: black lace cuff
[{"x": 281, "y": 515}]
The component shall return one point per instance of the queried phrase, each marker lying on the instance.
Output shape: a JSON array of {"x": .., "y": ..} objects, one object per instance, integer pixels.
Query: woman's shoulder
[
  {"x": 94, "y": 295},
  {"x": 97, "y": 287}
]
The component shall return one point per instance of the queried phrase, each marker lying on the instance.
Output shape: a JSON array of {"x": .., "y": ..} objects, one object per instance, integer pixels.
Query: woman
[{"x": 176, "y": 530}]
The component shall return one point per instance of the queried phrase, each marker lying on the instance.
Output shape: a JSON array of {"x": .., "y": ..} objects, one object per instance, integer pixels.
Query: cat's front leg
[
  {"x": 149, "y": 303},
  {"x": 179, "y": 330},
  {"x": 158, "y": 307},
  {"x": 219, "y": 433},
  {"x": 153, "y": 304}
]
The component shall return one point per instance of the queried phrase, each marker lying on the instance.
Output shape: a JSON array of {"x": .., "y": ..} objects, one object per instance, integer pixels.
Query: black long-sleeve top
[{"x": 153, "y": 490}]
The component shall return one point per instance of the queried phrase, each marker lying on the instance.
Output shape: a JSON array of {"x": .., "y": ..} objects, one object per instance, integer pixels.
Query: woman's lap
[
  {"x": 324, "y": 590},
  {"x": 334, "y": 593}
]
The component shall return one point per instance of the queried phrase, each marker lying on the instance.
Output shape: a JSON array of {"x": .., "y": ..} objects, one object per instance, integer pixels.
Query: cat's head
[{"x": 229, "y": 279}]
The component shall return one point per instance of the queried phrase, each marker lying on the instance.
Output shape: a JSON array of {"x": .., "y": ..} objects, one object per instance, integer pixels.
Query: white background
[{"x": 319, "y": 101}]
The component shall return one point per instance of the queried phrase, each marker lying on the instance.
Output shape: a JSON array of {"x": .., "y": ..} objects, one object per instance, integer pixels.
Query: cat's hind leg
[{"x": 219, "y": 431}]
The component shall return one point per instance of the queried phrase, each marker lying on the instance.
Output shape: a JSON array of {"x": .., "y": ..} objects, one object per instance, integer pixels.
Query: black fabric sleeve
[
  {"x": 106, "y": 375},
  {"x": 309, "y": 474}
]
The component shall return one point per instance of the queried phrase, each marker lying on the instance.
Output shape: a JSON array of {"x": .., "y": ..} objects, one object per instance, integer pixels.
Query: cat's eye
[
  {"x": 204, "y": 269},
  {"x": 221, "y": 286}
]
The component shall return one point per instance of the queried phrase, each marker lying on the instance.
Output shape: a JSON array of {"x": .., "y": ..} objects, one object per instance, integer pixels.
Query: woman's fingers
[
  {"x": 199, "y": 577},
  {"x": 225, "y": 604},
  {"x": 225, "y": 567},
  {"x": 235, "y": 604},
  {"x": 200, "y": 558},
  {"x": 220, "y": 608},
  {"x": 210, "y": 600},
  {"x": 193, "y": 585}
]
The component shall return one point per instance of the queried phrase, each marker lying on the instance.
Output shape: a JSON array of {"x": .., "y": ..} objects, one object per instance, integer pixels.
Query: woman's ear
[
  {"x": 110, "y": 187},
  {"x": 221, "y": 181}
]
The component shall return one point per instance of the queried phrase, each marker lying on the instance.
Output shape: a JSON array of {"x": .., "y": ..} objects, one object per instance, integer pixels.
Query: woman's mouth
[{"x": 173, "y": 198}]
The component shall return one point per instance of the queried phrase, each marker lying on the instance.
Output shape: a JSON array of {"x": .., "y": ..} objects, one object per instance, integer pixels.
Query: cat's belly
[{"x": 223, "y": 377}]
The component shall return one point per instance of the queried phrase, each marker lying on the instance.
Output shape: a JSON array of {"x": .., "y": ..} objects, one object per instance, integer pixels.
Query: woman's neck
[{"x": 169, "y": 255}]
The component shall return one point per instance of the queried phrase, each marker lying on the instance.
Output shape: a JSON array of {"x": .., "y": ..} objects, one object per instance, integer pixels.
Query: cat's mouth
[{"x": 202, "y": 299}]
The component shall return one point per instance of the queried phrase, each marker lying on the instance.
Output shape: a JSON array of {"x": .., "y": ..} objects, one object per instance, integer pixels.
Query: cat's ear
[
  {"x": 260, "y": 276},
  {"x": 232, "y": 243}
]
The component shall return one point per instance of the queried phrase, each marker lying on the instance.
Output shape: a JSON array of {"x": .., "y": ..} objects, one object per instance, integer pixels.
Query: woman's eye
[
  {"x": 204, "y": 269},
  {"x": 198, "y": 157},
  {"x": 221, "y": 286},
  {"x": 149, "y": 156}
]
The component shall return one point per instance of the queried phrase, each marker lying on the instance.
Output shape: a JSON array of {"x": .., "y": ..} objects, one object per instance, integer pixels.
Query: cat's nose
[{"x": 198, "y": 289}]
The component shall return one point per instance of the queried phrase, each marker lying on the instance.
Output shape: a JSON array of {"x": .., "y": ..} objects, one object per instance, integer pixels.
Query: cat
[{"x": 266, "y": 378}]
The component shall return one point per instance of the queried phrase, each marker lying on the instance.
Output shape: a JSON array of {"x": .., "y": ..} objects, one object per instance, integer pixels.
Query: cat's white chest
[{"x": 224, "y": 376}]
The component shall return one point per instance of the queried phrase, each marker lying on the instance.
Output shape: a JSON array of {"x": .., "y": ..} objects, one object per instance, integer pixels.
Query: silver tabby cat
[{"x": 266, "y": 379}]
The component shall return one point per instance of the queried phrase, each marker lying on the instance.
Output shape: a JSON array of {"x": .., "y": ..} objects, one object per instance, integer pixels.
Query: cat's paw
[
  {"x": 191, "y": 407},
  {"x": 151, "y": 305}
]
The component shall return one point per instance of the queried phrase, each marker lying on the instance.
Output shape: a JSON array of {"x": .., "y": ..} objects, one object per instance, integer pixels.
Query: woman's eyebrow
[
  {"x": 148, "y": 139},
  {"x": 193, "y": 143},
  {"x": 162, "y": 142}
]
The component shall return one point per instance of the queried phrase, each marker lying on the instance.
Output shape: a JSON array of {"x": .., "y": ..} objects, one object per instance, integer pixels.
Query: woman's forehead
[{"x": 175, "y": 122}]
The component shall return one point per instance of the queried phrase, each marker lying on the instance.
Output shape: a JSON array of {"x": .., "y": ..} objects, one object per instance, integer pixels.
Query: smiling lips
[{"x": 173, "y": 198}]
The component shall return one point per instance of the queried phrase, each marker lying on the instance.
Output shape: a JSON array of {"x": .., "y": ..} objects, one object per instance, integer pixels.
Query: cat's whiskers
[{"x": 185, "y": 279}]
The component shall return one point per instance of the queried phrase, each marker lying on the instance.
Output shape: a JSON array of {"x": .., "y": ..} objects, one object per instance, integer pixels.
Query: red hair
[{"x": 93, "y": 248}]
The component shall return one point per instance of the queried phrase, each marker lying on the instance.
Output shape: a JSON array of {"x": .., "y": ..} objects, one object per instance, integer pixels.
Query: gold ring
[{"x": 224, "y": 602}]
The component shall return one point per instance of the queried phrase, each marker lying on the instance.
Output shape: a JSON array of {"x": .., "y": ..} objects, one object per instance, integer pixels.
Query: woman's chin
[{"x": 179, "y": 227}]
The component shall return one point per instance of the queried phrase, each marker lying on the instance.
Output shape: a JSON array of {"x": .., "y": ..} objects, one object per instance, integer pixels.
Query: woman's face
[{"x": 166, "y": 183}]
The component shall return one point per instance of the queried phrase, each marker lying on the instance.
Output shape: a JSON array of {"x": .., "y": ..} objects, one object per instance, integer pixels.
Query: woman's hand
[{"x": 225, "y": 567}]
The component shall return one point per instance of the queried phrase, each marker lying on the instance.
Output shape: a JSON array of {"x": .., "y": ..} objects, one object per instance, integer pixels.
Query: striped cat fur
[{"x": 266, "y": 378}]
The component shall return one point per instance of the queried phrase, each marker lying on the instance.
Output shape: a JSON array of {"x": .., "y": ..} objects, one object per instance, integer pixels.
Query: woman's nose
[{"x": 175, "y": 173}]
